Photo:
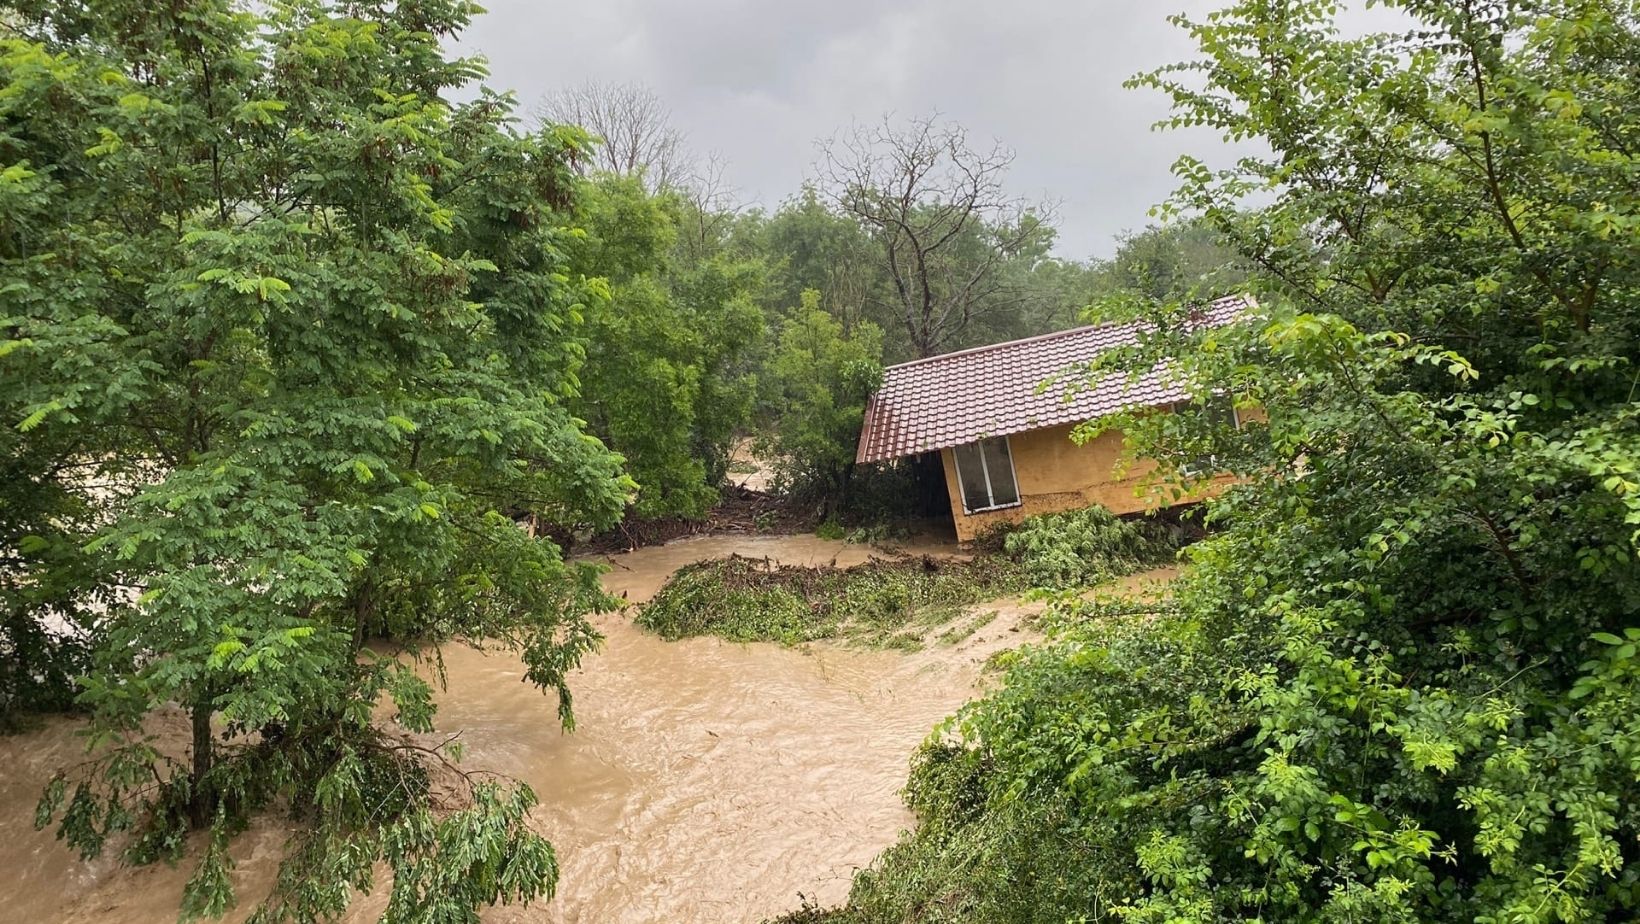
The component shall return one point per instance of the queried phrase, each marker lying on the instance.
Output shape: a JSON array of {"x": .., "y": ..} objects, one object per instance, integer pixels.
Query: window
[
  {"x": 1220, "y": 411},
  {"x": 985, "y": 470}
]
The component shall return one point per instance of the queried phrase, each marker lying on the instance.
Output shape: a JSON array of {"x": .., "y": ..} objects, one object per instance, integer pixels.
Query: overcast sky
[{"x": 758, "y": 81}]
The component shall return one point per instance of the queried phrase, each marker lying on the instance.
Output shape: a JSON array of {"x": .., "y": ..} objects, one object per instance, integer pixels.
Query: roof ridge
[
  {"x": 1246, "y": 300},
  {"x": 1011, "y": 343}
]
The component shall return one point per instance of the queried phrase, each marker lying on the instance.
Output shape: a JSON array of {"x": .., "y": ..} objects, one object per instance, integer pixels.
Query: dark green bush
[
  {"x": 37, "y": 671},
  {"x": 1000, "y": 836},
  {"x": 1079, "y": 548}
]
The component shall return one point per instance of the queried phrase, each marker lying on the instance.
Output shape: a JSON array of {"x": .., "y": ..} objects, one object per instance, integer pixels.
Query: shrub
[
  {"x": 1014, "y": 822},
  {"x": 1083, "y": 547}
]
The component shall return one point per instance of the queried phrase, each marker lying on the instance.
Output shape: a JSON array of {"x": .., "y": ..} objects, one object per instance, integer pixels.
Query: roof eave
[{"x": 867, "y": 424}]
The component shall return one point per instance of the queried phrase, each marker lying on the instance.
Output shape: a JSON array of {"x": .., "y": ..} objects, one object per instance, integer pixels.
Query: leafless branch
[
  {"x": 634, "y": 128},
  {"x": 939, "y": 210}
]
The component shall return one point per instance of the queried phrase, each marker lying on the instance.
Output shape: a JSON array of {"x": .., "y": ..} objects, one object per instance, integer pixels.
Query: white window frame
[{"x": 985, "y": 469}]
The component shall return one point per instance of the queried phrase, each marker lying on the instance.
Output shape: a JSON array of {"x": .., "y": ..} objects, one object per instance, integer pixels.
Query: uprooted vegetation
[
  {"x": 881, "y": 601},
  {"x": 1080, "y": 548},
  {"x": 894, "y": 601}
]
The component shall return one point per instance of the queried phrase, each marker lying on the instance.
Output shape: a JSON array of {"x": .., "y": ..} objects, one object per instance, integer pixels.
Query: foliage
[
  {"x": 749, "y": 600},
  {"x": 808, "y": 245},
  {"x": 943, "y": 224},
  {"x": 1181, "y": 261},
  {"x": 38, "y": 665},
  {"x": 822, "y": 377},
  {"x": 1081, "y": 548},
  {"x": 287, "y": 339},
  {"x": 666, "y": 381},
  {"x": 1001, "y": 835},
  {"x": 1401, "y": 684},
  {"x": 744, "y": 600}
]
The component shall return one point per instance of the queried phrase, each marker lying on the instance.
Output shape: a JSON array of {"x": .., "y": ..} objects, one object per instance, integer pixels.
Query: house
[{"x": 1005, "y": 443}]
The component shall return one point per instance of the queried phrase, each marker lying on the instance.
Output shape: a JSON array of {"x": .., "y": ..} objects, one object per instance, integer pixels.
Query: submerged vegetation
[
  {"x": 890, "y": 601},
  {"x": 744, "y": 600}
]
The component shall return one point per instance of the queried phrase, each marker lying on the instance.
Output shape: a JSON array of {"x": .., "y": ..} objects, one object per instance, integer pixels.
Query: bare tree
[
  {"x": 634, "y": 127},
  {"x": 939, "y": 211},
  {"x": 713, "y": 203}
]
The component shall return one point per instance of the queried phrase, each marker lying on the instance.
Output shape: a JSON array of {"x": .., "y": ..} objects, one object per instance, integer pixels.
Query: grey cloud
[{"x": 759, "y": 81}]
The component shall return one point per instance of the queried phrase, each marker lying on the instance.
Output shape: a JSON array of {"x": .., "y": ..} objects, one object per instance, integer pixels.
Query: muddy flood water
[{"x": 705, "y": 781}]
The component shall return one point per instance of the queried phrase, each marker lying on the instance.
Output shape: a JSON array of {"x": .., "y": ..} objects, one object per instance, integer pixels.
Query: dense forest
[{"x": 314, "y": 351}]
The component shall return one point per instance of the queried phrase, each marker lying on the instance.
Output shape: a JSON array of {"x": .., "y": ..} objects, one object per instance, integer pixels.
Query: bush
[
  {"x": 37, "y": 671},
  {"x": 744, "y": 599},
  {"x": 1115, "y": 701},
  {"x": 1081, "y": 548}
]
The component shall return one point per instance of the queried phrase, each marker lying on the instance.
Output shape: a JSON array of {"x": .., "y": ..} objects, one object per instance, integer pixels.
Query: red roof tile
[{"x": 957, "y": 398}]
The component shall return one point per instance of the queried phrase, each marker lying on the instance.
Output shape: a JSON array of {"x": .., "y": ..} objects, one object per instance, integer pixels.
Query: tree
[
  {"x": 820, "y": 377},
  {"x": 810, "y": 246},
  {"x": 633, "y": 129},
  {"x": 942, "y": 220},
  {"x": 667, "y": 380},
  {"x": 1401, "y": 683},
  {"x": 1182, "y": 261},
  {"x": 287, "y": 339}
]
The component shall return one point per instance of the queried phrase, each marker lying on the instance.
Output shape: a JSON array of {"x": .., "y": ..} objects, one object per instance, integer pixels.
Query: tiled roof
[{"x": 949, "y": 400}]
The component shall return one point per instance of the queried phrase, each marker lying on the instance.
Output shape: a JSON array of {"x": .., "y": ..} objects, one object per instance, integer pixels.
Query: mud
[{"x": 706, "y": 781}]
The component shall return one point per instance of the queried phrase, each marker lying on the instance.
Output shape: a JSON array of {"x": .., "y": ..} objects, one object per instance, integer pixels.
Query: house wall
[{"x": 1055, "y": 474}]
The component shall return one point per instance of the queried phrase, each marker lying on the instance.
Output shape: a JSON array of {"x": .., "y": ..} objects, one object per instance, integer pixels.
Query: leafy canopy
[
  {"x": 1402, "y": 683},
  {"x": 287, "y": 339},
  {"x": 668, "y": 380},
  {"x": 820, "y": 375}
]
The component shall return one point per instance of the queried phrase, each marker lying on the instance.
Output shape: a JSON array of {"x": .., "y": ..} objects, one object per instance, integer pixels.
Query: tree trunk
[{"x": 201, "y": 803}]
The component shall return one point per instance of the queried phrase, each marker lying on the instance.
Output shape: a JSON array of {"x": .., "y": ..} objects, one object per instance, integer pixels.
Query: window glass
[
  {"x": 971, "y": 475},
  {"x": 985, "y": 472},
  {"x": 1001, "y": 467}
]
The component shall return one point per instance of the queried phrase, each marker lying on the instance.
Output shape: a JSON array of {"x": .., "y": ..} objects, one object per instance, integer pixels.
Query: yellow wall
[{"x": 1056, "y": 474}]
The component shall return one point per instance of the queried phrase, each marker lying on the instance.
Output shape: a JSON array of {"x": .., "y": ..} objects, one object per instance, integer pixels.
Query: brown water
[{"x": 706, "y": 781}]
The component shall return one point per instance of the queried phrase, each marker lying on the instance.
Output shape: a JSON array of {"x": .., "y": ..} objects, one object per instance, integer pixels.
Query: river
[{"x": 705, "y": 780}]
